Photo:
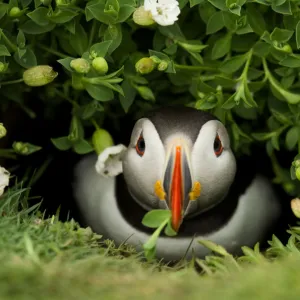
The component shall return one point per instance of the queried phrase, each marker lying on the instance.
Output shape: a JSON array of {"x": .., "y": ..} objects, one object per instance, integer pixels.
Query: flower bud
[
  {"x": 3, "y": 67},
  {"x": 15, "y": 12},
  {"x": 296, "y": 163},
  {"x": 145, "y": 65},
  {"x": 80, "y": 65},
  {"x": 101, "y": 140},
  {"x": 163, "y": 65},
  {"x": 100, "y": 65},
  {"x": 295, "y": 206},
  {"x": 142, "y": 17},
  {"x": 287, "y": 48},
  {"x": 3, "y": 131},
  {"x": 156, "y": 59},
  {"x": 146, "y": 93},
  {"x": 25, "y": 148},
  {"x": 20, "y": 148},
  {"x": 39, "y": 75}
]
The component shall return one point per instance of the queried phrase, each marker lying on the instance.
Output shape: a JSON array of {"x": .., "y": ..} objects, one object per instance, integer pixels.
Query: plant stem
[
  {"x": 208, "y": 77},
  {"x": 8, "y": 153},
  {"x": 52, "y": 51},
  {"x": 194, "y": 68},
  {"x": 62, "y": 95},
  {"x": 12, "y": 46},
  {"x": 12, "y": 81},
  {"x": 247, "y": 65},
  {"x": 95, "y": 124}
]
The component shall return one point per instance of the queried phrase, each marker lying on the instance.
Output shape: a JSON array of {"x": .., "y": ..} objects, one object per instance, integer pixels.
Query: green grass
[{"x": 48, "y": 259}]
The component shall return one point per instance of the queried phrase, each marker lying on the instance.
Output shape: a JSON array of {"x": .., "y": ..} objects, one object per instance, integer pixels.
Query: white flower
[
  {"x": 109, "y": 161},
  {"x": 4, "y": 180},
  {"x": 164, "y": 12}
]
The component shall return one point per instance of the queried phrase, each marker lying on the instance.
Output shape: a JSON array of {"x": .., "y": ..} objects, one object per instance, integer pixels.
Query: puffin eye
[
  {"x": 140, "y": 146},
  {"x": 218, "y": 147}
]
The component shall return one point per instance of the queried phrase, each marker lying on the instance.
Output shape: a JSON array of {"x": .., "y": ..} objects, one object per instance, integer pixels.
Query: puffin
[{"x": 178, "y": 159}]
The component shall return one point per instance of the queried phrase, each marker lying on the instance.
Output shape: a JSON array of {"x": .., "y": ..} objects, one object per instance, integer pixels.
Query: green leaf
[
  {"x": 248, "y": 98},
  {"x": 298, "y": 35},
  {"x": 25, "y": 3},
  {"x": 76, "y": 129},
  {"x": 30, "y": 27},
  {"x": 193, "y": 46},
  {"x": 71, "y": 26},
  {"x": 113, "y": 33},
  {"x": 39, "y": 16},
  {"x": 221, "y": 47},
  {"x": 90, "y": 109},
  {"x": 255, "y": 19},
  {"x": 284, "y": 8},
  {"x": 66, "y": 63},
  {"x": 129, "y": 95},
  {"x": 281, "y": 35},
  {"x": 291, "y": 61},
  {"x": 4, "y": 51},
  {"x": 288, "y": 81},
  {"x": 3, "y": 9},
  {"x": 125, "y": 12},
  {"x": 290, "y": 97},
  {"x": 280, "y": 117},
  {"x": 232, "y": 64},
  {"x": 21, "y": 40},
  {"x": 79, "y": 40},
  {"x": 154, "y": 218},
  {"x": 195, "y": 2},
  {"x": 292, "y": 137},
  {"x": 149, "y": 252},
  {"x": 62, "y": 143},
  {"x": 230, "y": 21},
  {"x": 146, "y": 93},
  {"x": 96, "y": 10},
  {"x": 206, "y": 10},
  {"x": 27, "y": 60},
  {"x": 230, "y": 102},
  {"x": 160, "y": 55},
  {"x": 263, "y": 136},
  {"x": 214, "y": 247},
  {"x": 82, "y": 147},
  {"x": 220, "y": 4},
  {"x": 215, "y": 23},
  {"x": 169, "y": 231},
  {"x": 100, "y": 93},
  {"x": 261, "y": 49},
  {"x": 100, "y": 49},
  {"x": 63, "y": 16}
]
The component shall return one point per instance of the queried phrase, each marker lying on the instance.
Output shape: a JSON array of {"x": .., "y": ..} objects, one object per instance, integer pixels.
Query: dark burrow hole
[{"x": 54, "y": 187}]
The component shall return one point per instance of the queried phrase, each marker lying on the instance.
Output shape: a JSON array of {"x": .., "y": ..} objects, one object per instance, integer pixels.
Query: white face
[{"x": 210, "y": 159}]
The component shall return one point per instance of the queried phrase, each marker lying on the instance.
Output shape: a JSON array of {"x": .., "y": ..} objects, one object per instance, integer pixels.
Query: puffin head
[{"x": 181, "y": 160}]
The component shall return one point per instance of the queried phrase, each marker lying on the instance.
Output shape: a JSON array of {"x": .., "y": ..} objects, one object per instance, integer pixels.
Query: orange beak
[
  {"x": 176, "y": 196},
  {"x": 177, "y": 184}
]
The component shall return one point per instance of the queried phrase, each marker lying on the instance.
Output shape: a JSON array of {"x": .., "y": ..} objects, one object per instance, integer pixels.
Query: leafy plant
[
  {"x": 237, "y": 59},
  {"x": 161, "y": 220}
]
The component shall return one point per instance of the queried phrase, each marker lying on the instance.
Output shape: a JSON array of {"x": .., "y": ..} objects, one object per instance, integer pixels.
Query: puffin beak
[{"x": 177, "y": 183}]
